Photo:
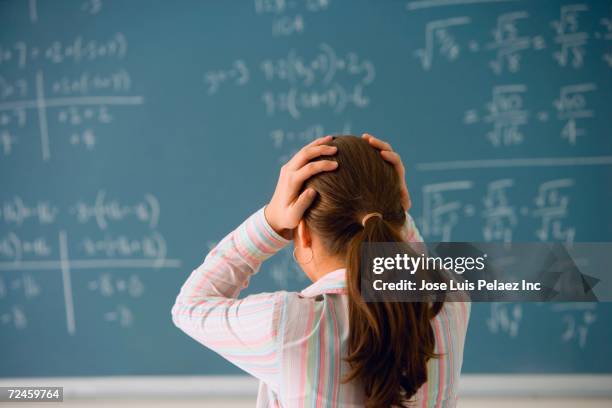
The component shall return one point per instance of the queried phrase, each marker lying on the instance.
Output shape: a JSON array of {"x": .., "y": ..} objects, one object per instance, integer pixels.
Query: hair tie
[{"x": 370, "y": 215}]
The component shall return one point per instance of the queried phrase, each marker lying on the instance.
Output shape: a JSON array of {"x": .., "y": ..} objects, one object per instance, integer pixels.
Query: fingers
[
  {"x": 394, "y": 159},
  {"x": 304, "y": 200},
  {"x": 311, "y": 169},
  {"x": 386, "y": 151},
  {"x": 312, "y": 151},
  {"x": 320, "y": 141},
  {"x": 377, "y": 143}
]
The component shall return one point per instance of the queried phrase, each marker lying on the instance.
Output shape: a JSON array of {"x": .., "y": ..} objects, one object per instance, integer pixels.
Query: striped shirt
[{"x": 294, "y": 342}]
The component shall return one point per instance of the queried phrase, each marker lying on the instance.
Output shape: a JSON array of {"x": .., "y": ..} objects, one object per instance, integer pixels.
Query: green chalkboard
[{"x": 136, "y": 134}]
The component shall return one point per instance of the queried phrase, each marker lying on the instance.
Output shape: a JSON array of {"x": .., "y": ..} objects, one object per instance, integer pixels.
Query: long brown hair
[{"x": 389, "y": 342}]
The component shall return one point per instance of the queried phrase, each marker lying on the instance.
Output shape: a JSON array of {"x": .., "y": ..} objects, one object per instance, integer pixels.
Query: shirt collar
[{"x": 332, "y": 282}]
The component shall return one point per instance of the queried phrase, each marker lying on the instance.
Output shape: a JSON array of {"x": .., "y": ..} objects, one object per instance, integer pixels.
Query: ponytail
[{"x": 389, "y": 342}]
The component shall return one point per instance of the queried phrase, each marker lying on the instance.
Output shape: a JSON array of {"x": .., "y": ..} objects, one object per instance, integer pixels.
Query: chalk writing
[
  {"x": 289, "y": 16},
  {"x": 508, "y": 44},
  {"x": 66, "y": 251},
  {"x": 102, "y": 210},
  {"x": 439, "y": 39},
  {"x": 572, "y": 106},
  {"x": 571, "y": 40}
]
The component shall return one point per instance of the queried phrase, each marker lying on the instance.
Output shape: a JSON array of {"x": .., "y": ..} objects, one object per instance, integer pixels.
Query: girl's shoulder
[{"x": 456, "y": 314}]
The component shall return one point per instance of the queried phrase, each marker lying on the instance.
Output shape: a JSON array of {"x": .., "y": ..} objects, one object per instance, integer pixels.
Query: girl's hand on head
[
  {"x": 392, "y": 157},
  {"x": 287, "y": 205}
]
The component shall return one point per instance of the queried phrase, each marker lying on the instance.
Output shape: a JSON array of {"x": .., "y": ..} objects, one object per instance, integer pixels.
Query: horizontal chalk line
[
  {"x": 416, "y": 5},
  {"x": 90, "y": 264},
  {"x": 74, "y": 101},
  {"x": 501, "y": 163}
]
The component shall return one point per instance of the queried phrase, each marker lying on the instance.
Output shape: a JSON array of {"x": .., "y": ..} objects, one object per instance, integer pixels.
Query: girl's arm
[
  {"x": 247, "y": 331},
  {"x": 244, "y": 331}
]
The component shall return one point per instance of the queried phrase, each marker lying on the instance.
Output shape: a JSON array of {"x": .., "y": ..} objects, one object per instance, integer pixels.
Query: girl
[{"x": 325, "y": 346}]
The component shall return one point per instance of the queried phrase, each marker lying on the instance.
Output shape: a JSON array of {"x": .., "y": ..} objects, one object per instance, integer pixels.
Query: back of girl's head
[
  {"x": 363, "y": 183},
  {"x": 389, "y": 342}
]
